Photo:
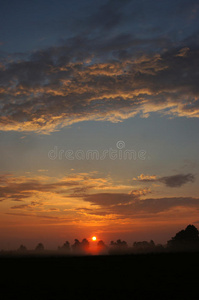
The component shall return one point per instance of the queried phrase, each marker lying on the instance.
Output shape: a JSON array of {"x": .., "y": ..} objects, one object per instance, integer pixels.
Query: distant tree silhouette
[
  {"x": 118, "y": 247},
  {"x": 159, "y": 248},
  {"x": 80, "y": 247},
  {"x": 102, "y": 247},
  {"x": 22, "y": 248},
  {"x": 65, "y": 247},
  {"x": 101, "y": 244},
  {"x": 39, "y": 247},
  {"x": 119, "y": 243},
  {"x": 185, "y": 239},
  {"x": 144, "y": 246},
  {"x": 152, "y": 244},
  {"x": 76, "y": 246},
  {"x": 85, "y": 244}
]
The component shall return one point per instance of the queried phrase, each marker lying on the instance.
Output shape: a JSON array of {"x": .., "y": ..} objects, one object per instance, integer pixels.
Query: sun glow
[{"x": 94, "y": 238}]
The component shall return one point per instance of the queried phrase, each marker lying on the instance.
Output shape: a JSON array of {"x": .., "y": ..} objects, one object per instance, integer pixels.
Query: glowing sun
[{"x": 94, "y": 238}]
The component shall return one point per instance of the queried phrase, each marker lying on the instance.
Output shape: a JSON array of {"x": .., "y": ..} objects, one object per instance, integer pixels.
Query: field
[{"x": 154, "y": 276}]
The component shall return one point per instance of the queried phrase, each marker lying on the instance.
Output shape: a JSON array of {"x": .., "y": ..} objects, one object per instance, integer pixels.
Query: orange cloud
[{"x": 146, "y": 177}]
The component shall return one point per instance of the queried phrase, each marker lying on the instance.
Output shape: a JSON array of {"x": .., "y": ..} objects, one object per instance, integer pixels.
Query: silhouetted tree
[
  {"x": 65, "y": 247},
  {"x": 39, "y": 247},
  {"x": 22, "y": 248},
  {"x": 119, "y": 243},
  {"x": 76, "y": 247},
  {"x": 144, "y": 246},
  {"x": 118, "y": 247},
  {"x": 102, "y": 248},
  {"x": 159, "y": 248},
  {"x": 152, "y": 244},
  {"x": 80, "y": 247},
  {"x": 85, "y": 244},
  {"x": 185, "y": 239},
  {"x": 101, "y": 244}
]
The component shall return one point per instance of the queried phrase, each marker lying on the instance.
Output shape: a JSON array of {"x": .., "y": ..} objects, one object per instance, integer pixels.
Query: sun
[{"x": 94, "y": 238}]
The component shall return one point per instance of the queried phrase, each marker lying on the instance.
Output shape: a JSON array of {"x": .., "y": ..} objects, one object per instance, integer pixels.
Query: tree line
[{"x": 184, "y": 240}]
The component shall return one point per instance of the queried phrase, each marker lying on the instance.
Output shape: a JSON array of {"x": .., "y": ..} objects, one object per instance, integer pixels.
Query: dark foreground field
[{"x": 154, "y": 276}]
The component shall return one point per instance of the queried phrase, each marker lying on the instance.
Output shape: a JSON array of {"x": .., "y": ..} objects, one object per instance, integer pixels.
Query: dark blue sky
[{"x": 31, "y": 25}]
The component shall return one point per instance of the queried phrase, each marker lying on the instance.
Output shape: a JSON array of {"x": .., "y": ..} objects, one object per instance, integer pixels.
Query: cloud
[
  {"x": 92, "y": 78},
  {"x": 141, "y": 192},
  {"x": 37, "y": 216},
  {"x": 76, "y": 185},
  {"x": 177, "y": 180},
  {"x": 108, "y": 199},
  {"x": 25, "y": 206},
  {"x": 18, "y": 191},
  {"x": 145, "y": 178},
  {"x": 65, "y": 196},
  {"x": 38, "y": 194},
  {"x": 21, "y": 188},
  {"x": 170, "y": 181},
  {"x": 127, "y": 206}
]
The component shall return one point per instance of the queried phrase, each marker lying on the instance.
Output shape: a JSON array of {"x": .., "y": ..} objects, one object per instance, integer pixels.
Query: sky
[{"x": 99, "y": 108}]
